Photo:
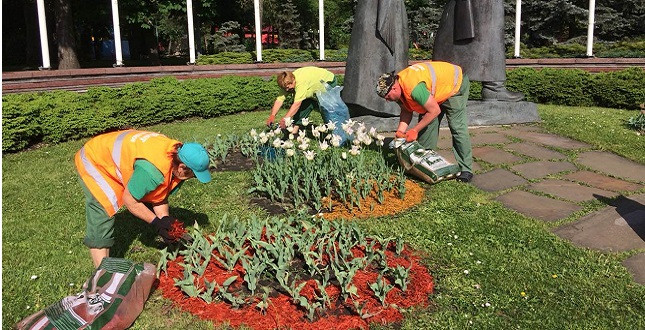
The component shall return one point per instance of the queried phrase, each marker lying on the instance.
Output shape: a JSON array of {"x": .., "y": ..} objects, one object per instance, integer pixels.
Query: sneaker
[{"x": 465, "y": 176}]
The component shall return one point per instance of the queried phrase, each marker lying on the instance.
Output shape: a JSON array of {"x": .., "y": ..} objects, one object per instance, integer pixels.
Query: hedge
[{"x": 53, "y": 117}]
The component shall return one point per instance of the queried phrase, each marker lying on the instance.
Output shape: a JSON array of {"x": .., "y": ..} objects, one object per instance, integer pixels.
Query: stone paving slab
[
  {"x": 543, "y": 208},
  {"x": 535, "y": 151},
  {"x": 548, "y": 139},
  {"x": 602, "y": 181},
  {"x": 489, "y": 138},
  {"x": 613, "y": 164},
  {"x": 485, "y": 129},
  {"x": 536, "y": 170},
  {"x": 618, "y": 227},
  {"x": 636, "y": 266},
  {"x": 570, "y": 190},
  {"x": 495, "y": 155},
  {"x": 450, "y": 156},
  {"x": 497, "y": 179},
  {"x": 526, "y": 128}
]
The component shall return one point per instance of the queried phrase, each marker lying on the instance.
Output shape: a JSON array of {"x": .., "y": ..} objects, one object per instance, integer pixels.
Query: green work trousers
[
  {"x": 308, "y": 105},
  {"x": 454, "y": 109}
]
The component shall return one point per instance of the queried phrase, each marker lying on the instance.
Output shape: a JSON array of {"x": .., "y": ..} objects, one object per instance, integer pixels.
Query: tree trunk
[{"x": 65, "y": 38}]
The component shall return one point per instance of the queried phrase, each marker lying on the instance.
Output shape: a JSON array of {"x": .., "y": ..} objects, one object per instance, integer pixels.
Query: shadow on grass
[{"x": 128, "y": 228}]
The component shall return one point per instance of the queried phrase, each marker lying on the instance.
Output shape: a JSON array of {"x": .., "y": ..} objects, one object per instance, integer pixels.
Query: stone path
[{"x": 550, "y": 177}]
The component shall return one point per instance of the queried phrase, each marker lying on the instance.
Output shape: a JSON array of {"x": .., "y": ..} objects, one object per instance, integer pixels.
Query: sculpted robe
[{"x": 379, "y": 43}]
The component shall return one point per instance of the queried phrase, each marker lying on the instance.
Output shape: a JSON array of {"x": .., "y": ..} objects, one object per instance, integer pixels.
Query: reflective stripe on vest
[
  {"x": 433, "y": 75},
  {"x": 100, "y": 181},
  {"x": 116, "y": 153}
]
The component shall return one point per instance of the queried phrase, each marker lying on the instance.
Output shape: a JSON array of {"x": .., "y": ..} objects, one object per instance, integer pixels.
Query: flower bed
[
  {"x": 312, "y": 169},
  {"x": 299, "y": 272}
]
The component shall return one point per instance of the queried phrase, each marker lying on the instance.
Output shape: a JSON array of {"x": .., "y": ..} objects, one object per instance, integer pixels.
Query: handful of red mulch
[{"x": 176, "y": 230}]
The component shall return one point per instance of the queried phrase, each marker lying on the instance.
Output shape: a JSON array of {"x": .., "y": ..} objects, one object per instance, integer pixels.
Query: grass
[
  {"x": 604, "y": 128},
  {"x": 457, "y": 228}
]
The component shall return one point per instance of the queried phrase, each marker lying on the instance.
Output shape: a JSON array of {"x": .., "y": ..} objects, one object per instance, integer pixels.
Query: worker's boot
[{"x": 496, "y": 91}]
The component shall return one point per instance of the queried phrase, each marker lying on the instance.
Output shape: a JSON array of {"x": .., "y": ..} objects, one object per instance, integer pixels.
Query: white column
[
  {"x": 117, "y": 33},
  {"x": 44, "y": 43},
  {"x": 258, "y": 31},
  {"x": 592, "y": 9},
  {"x": 518, "y": 20},
  {"x": 321, "y": 28},
  {"x": 191, "y": 31}
]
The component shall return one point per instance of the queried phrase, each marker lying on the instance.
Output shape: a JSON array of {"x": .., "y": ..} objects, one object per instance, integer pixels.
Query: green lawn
[{"x": 479, "y": 252}]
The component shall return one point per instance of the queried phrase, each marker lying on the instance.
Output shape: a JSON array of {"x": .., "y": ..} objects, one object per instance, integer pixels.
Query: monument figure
[
  {"x": 379, "y": 43},
  {"x": 471, "y": 35}
]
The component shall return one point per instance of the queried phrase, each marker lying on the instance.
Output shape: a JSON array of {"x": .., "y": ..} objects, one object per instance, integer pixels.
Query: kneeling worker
[
  {"x": 303, "y": 83},
  {"x": 132, "y": 168},
  {"x": 432, "y": 89}
]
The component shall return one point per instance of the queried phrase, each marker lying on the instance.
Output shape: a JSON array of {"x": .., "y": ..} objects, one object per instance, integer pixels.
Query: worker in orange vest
[
  {"x": 433, "y": 90},
  {"x": 132, "y": 168}
]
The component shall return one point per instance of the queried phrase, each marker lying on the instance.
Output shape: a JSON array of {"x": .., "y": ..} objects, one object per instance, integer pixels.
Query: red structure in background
[{"x": 269, "y": 36}]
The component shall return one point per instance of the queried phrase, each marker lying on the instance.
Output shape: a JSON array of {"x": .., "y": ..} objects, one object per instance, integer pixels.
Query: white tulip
[
  {"x": 305, "y": 122},
  {"x": 264, "y": 139},
  {"x": 323, "y": 145},
  {"x": 331, "y": 126},
  {"x": 355, "y": 150},
  {"x": 343, "y": 155},
  {"x": 290, "y": 152},
  {"x": 277, "y": 143},
  {"x": 288, "y": 121},
  {"x": 254, "y": 133},
  {"x": 373, "y": 132},
  {"x": 309, "y": 154}
]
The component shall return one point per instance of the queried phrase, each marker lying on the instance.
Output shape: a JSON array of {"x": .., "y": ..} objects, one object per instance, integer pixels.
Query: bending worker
[
  {"x": 132, "y": 168},
  {"x": 432, "y": 89},
  {"x": 303, "y": 83}
]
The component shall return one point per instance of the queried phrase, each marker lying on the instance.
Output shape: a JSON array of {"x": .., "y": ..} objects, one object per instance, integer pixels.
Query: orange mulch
[{"x": 370, "y": 206}]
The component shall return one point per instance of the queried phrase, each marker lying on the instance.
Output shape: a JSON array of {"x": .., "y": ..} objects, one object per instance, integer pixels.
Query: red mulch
[{"x": 283, "y": 313}]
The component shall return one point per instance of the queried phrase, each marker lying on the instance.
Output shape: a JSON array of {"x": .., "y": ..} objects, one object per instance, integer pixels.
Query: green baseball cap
[{"x": 196, "y": 158}]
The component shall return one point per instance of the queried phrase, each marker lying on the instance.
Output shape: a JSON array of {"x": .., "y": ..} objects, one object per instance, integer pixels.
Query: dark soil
[{"x": 235, "y": 161}]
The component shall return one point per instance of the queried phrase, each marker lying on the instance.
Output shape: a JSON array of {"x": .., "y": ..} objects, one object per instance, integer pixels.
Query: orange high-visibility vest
[
  {"x": 106, "y": 163},
  {"x": 442, "y": 79}
]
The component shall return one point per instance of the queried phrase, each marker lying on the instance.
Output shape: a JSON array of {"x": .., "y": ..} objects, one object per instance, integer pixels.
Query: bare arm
[
  {"x": 294, "y": 109},
  {"x": 404, "y": 121},
  {"x": 433, "y": 110},
  {"x": 276, "y": 107},
  {"x": 137, "y": 208}
]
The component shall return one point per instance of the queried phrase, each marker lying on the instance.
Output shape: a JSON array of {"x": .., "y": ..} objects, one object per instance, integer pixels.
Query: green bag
[
  {"x": 112, "y": 298},
  {"x": 425, "y": 164}
]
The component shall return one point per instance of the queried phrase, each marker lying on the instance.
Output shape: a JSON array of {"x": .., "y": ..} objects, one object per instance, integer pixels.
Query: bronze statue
[
  {"x": 471, "y": 35},
  {"x": 379, "y": 43}
]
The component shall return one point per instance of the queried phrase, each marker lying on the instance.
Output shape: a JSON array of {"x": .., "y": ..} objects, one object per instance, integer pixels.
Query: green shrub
[
  {"x": 53, "y": 117},
  {"x": 630, "y": 48},
  {"x": 556, "y": 86},
  {"x": 623, "y": 89},
  {"x": 226, "y": 58},
  {"x": 61, "y": 116},
  {"x": 286, "y": 56},
  {"x": 419, "y": 54},
  {"x": 331, "y": 55}
]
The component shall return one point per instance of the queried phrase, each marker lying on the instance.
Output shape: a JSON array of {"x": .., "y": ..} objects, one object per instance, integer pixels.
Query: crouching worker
[
  {"x": 433, "y": 90},
  {"x": 132, "y": 168},
  {"x": 303, "y": 83}
]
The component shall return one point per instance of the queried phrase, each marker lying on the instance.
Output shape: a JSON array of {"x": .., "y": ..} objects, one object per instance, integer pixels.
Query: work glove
[
  {"x": 163, "y": 226},
  {"x": 411, "y": 135},
  {"x": 399, "y": 134},
  {"x": 283, "y": 125},
  {"x": 270, "y": 120}
]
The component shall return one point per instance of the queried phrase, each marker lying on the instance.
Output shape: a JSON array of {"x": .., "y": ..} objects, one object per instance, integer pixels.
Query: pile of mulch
[
  {"x": 283, "y": 313},
  {"x": 370, "y": 206}
]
